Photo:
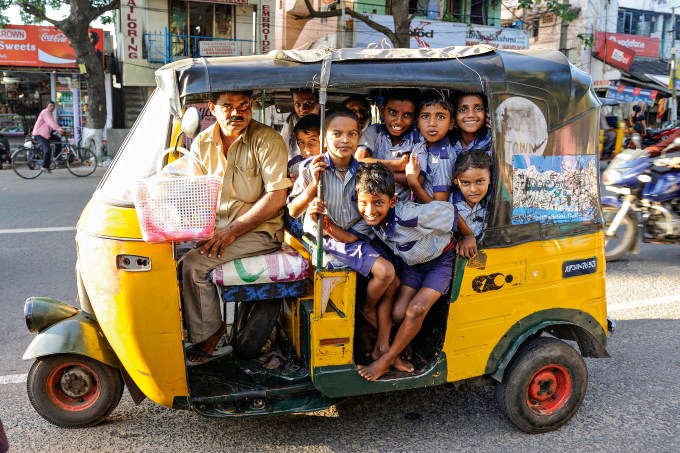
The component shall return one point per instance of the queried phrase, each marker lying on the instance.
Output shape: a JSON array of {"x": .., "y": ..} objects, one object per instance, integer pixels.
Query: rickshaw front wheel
[
  {"x": 73, "y": 391},
  {"x": 544, "y": 385}
]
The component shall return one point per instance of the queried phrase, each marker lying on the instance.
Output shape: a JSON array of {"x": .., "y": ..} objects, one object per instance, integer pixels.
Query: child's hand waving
[{"x": 412, "y": 169}]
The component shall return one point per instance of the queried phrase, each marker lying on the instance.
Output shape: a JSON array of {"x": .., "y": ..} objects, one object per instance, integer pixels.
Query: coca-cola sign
[{"x": 59, "y": 37}]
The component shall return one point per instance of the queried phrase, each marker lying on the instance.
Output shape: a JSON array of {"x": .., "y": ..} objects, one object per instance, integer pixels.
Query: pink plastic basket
[{"x": 176, "y": 209}]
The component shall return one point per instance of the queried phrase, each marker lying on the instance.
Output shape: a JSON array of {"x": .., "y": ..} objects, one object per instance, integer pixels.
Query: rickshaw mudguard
[
  {"x": 79, "y": 334},
  {"x": 566, "y": 324},
  {"x": 343, "y": 380}
]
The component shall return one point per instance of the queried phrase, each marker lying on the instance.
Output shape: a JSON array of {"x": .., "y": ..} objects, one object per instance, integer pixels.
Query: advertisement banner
[
  {"x": 32, "y": 45},
  {"x": 617, "y": 56},
  {"x": 500, "y": 38},
  {"x": 643, "y": 46},
  {"x": 631, "y": 94},
  {"x": 424, "y": 33}
]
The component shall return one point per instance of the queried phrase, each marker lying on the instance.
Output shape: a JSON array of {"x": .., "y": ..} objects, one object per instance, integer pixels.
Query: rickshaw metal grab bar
[{"x": 539, "y": 276}]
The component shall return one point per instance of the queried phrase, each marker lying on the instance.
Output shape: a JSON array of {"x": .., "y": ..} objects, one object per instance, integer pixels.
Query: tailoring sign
[
  {"x": 131, "y": 28},
  {"x": 217, "y": 48},
  {"x": 631, "y": 94},
  {"x": 643, "y": 46},
  {"x": 554, "y": 189}
]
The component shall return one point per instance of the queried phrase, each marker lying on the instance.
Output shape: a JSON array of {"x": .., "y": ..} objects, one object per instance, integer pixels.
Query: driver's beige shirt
[{"x": 256, "y": 163}]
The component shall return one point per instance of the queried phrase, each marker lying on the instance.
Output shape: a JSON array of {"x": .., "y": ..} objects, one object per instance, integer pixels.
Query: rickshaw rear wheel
[
  {"x": 73, "y": 391},
  {"x": 544, "y": 385},
  {"x": 256, "y": 320}
]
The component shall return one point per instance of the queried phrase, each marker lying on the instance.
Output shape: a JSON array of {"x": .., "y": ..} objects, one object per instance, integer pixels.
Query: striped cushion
[{"x": 286, "y": 265}]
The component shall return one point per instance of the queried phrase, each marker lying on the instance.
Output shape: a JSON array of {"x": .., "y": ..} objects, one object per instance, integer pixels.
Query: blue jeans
[{"x": 45, "y": 146}]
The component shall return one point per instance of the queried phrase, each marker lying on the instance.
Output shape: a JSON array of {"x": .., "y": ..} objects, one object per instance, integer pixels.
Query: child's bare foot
[
  {"x": 403, "y": 365},
  {"x": 375, "y": 369},
  {"x": 370, "y": 316},
  {"x": 407, "y": 353}
]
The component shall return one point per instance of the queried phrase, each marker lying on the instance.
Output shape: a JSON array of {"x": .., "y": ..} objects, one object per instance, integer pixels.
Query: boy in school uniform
[
  {"x": 346, "y": 239},
  {"x": 429, "y": 169},
  {"x": 391, "y": 142},
  {"x": 421, "y": 236},
  {"x": 306, "y": 133}
]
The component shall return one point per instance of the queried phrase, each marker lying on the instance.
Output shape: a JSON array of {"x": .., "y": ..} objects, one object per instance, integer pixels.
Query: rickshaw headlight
[{"x": 43, "y": 312}]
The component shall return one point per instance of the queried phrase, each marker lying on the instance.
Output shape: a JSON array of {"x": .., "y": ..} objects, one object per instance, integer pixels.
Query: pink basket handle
[{"x": 184, "y": 152}]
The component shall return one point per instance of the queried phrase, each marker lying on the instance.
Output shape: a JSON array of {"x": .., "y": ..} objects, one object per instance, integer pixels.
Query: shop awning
[{"x": 650, "y": 74}]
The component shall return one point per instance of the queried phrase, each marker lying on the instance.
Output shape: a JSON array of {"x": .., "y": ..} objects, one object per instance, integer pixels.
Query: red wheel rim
[
  {"x": 73, "y": 387},
  {"x": 549, "y": 389}
]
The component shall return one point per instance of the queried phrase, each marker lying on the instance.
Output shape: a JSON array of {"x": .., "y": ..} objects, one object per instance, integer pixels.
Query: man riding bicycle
[{"x": 43, "y": 132}]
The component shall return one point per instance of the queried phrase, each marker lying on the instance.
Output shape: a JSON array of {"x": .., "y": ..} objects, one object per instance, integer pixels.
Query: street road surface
[{"x": 631, "y": 404}]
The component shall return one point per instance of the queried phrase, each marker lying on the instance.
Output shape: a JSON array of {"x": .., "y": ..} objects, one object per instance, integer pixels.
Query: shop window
[
  {"x": 478, "y": 12},
  {"x": 636, "y": 23},
  {"x": 535, "y": 24}
]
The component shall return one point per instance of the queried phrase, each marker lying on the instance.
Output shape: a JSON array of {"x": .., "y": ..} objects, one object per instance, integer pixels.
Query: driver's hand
[{"x": 216, "y": 244}]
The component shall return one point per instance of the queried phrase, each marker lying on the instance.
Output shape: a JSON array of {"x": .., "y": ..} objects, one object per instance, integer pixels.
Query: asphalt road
[{"x": 631, "y": 404}]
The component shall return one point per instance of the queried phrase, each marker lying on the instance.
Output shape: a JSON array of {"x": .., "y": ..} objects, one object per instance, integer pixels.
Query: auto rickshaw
[{"x": 537, "y": 281}]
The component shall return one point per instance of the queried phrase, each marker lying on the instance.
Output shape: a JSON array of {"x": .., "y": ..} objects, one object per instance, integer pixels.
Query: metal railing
[{"x": 164, "y": 47}]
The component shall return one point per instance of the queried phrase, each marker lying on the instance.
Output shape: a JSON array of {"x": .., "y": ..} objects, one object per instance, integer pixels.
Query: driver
[{"x": 251, "y": 158}]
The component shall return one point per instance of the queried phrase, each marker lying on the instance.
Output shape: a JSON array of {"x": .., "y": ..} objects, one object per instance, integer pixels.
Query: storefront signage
[
  {"x": 31, "y": 45},
  {"x": 217, "y": 48},
  {"x": 226, "y": 2},
  {"x": 617, "y": 56},
  {"x": 643, "y": 46},
  {"x": 424, "y": 33},
  {"x": 631, "y": 94},
  {"x": 501, "y": 38},
  {"x": 602, "y": 83},
  {"x": 266, "y": 29},
  {"x": 131, "y": 19}
]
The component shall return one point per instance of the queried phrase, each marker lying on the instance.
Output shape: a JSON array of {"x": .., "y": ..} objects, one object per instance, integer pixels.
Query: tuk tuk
[{"x": 537, "y": 281}]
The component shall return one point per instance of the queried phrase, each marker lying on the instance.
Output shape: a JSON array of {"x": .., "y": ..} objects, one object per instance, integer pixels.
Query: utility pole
[{"x": 563, "y": 34}]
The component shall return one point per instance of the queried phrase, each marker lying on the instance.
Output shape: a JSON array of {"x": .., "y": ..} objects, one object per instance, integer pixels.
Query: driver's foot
[{"x": 206, "y": 348}]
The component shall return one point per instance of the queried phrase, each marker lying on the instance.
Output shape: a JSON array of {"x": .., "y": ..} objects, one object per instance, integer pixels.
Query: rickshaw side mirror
[{"x": 191, "y": 122}]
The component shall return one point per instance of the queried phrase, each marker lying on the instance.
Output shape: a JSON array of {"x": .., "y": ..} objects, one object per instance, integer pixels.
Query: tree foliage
[
  {"x": 75, "y": 26},
  {"x": 400, "y": 37}
]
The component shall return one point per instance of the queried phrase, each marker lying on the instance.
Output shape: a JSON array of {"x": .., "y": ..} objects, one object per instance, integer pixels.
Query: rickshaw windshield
[{"x": 139, "y": 154}]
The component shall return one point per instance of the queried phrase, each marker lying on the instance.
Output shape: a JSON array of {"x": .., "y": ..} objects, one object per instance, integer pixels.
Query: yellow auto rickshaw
[{"x": 537, "y": 281}]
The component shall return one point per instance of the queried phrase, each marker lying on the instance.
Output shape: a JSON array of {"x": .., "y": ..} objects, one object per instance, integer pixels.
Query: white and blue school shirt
[
  {"x": 339, "y": 195},
  {"x": 416, "y": 232},
  {"x": 473, "y": 216},
  {"x": 436, "y": 164},
  {"x": 482, "y": 143},
  {"x": 376, "y": 140}
]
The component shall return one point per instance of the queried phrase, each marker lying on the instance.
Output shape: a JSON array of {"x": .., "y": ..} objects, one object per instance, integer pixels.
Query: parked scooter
[
  {"x": 646, "y": 185},
  {"x": 4, "y": 151}
]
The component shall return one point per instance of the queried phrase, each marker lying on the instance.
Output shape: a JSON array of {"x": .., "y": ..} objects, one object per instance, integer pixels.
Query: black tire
[
  {"x": 544, "y": 385},
  {"x": 26, "y": 162},
  {"x": 623, "y": 240},
  {"x": 256, "y": 320},
  {"x": 73, "y": 391},
  {"x": 84, "y": 165}
]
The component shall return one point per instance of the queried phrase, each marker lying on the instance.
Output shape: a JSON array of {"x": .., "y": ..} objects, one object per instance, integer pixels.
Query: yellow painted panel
[
  {"x": 102, "y": 219},
  {"x": 139, "y": 312},
  {"x": 519, "y": 281}
]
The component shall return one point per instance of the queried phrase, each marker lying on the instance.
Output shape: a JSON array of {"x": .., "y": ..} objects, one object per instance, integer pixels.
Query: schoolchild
[
  {"x": 346, "y": 237},
  {"x": 472, "y": 176},
  {"x": 305, "y": 102},
  {"x": 421, "y": 236},
  {"x": 429, "y": 169},
  {"x": 306, "y": 132},
  {"x": 471, "y": 129},
  {"x": 361, "y": 108},
  {"x": 392, "y": 141}
]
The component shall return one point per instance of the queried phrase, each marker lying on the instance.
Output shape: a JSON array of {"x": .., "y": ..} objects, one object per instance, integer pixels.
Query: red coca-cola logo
[{"x": 59, "y": 37}]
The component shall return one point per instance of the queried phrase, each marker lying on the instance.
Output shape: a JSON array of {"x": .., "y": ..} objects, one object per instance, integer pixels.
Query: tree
[
  {"x": 76, "y": 28},
  {"x": 400, "y": 37}
]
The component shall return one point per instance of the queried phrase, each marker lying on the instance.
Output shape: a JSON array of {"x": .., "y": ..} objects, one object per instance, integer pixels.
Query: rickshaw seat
[{"x": 276, "y": 275}]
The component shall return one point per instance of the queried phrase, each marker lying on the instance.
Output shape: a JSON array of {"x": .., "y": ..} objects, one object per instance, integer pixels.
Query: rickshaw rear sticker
[
  {"x": 554, "y": 189},
  {"x": 523, "y": 127},
  {"x": 579, "y": 267}
]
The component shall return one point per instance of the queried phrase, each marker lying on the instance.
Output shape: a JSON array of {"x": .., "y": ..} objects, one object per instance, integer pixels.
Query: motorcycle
[{"x": 645, "y": 186}]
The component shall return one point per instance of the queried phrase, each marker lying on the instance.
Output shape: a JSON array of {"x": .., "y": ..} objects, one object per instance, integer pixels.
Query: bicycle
[{"x": 27, "y": 160}]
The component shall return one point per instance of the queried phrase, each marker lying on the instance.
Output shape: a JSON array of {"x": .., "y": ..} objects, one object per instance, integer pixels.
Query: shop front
[{"x": 37, "y": 64}]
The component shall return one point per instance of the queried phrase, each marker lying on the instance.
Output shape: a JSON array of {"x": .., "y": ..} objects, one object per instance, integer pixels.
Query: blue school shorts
[{"x": 435, "y": 274}]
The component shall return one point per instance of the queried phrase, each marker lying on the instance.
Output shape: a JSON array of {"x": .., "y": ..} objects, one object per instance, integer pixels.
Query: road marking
[
  {"x": 665, "y": 300},
  {"x": 13, "y": 379},
  {"x": 21, "y": 378},
  {"x": 37, "y": 230}
]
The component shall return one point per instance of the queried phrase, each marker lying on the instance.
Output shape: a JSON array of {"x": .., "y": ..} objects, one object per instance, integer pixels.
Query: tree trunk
[{"x": 402, "y": 24}]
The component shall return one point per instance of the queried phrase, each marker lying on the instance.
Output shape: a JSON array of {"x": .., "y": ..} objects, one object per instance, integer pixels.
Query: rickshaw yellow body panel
[
  {"x": 138, "y": 311},
  {"x": 514, "y": 283}
]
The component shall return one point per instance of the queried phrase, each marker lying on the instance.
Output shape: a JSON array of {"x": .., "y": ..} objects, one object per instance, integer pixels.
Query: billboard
[
  {"x": 643, "y": 46},
  {"x": 40, "y": 46}
]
